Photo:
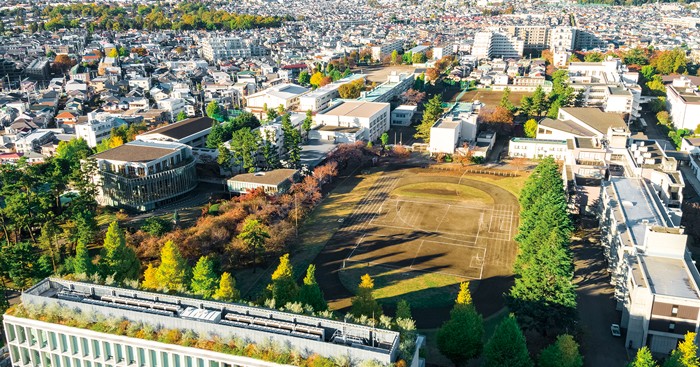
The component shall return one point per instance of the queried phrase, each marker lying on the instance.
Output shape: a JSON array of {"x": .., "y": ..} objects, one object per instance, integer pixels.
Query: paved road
[{"x": 596, "y": 305}]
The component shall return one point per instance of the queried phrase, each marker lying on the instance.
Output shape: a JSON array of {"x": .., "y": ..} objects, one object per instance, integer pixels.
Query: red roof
[
  {"x": 294, "y": 66},
  {"x": 65, "y": 115}
]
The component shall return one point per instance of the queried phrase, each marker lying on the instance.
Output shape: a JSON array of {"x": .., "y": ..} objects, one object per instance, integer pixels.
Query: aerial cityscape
[{"x": 357, "y": 183}]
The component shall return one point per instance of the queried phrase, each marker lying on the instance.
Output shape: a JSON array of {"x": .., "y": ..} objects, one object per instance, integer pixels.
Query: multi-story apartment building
[
  {"x": 607, "y": 84},
  {"x": 655, "y": 279},
  {"x": 224, "y": 48},
  {"x": 173, "y": 105},
  {"x": 497, "y": 43},
  {"x": 97, "y": 127},
  {"x": 352, "y": 120},
  {"x": 386, "y": 48},
  {"x": 683, "y": 102},
  {"x": 46, "y": 342},
  {"x": 562, "y": 37},
  {"x": 535, "y": 38},
  {"x": 143, "y": 175}
]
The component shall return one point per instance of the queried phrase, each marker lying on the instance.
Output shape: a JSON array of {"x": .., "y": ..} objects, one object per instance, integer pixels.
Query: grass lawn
[
  {"x": 444, "y": 191},
  {"x": 421, "y": 290},
  {"x": 316, "y": 230}
]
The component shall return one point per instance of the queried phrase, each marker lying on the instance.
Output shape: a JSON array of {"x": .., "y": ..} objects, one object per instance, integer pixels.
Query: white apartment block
[
  {"x": 320, "y": 98},
  {"x": 457, "y": 127},
  {"x": 97, "y": 128},
  {"x": 683, "y": 103},
  {"x": 43, "y": 343},
  {"x": 224, "y": 48},
  {"x": 172, "y": 105},
  {"x": 562, "y": 37},
  {"x": 285, "y": 95},
  {"x": 385, "y": 49},
  {"x": 607, "y": 84},
  {"x": 538, "y": 148},
  {"x": 352, "y": 120},
  {"x": 534, "y": 37},
  {"x": 497, "y": 43},
  {"x": 655, "y": 279}
]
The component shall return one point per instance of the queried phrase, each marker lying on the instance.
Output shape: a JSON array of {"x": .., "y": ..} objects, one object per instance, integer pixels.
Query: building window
[
  {"x": 674, "y": 311},
  {"x": 671, "y": 327}
]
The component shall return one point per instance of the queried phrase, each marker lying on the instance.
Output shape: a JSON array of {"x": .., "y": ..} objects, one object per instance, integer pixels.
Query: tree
[
  {"x": 418, "y": 58},
  {"x": 283, "y": 288},
  {"x": 460, "y": 338},
  {"x": 270, "y": 151},
  {"x": 227, "y": 291},
  {"x": 394, "y": 57},
  {"x": 244, "y": 147},
  {"x": 685, "y": 354},
  {"x": 118, "y": 259},
  {"x": 530, "y": 128},
  {"x": 593, "y": 57},
  {"x": 315, "y": 79},
  {"x": 432, "y": 74},
  {"x": 412, "y": 97},
  {"x": 304, "y": 78},
  {"x": 149, "y": 278},
  {"x": 563, "y": 353},
  {"x": 213, "y": 109},
  {"x": 433, "y": 111},
  {"x": 643, "y": 359},
  {"x": 113, "y": 53},
  {"x": 385, "y": 139},
  {"x": 306, "y": 124},
  {"x": 539, "y": 102},
  {"x": 204, "y": 280},
  {"x": 310, "y": 293},
  {"x": 403, "y": 310},
  {"x": 507, "y": 347},
  {"x": 172, "y": 273},
  {"x": 181, "y": 116},
  {"x": 156, "y": 226},
  {"x": 253, "y": 236},
  {"x": 63, "y": 62},
  {"x": 82, "y": 263},
  {"x": 663, "y": 118},
  {"x": 505, "y": 101},
  {"x": 292, "y": 141},
  {"x": 352, "y": 90},
  {"x": 4, "y": 303},
  {"x": 364, "y": 303},
  {"x": 526, "y": 105}
]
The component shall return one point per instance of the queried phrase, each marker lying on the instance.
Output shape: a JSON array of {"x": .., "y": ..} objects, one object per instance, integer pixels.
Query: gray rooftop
[
  {"x": 669, "y": 276},
  {"x": 326, "y": 337},
  {"x": 637, "y": 206}
]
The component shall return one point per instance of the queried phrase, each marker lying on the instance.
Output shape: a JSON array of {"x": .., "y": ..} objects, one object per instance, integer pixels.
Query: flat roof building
[
  {"x": 352, "y": 120},
  {"x": 143, "y": 175},
  {"x": 48, "y": 341},
  {"x": 273, "y": 182},
  {"x": 192, "y": 132}
]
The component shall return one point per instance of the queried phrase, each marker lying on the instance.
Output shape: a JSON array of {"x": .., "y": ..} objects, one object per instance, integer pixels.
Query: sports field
[{"x": 437, "y": 224}]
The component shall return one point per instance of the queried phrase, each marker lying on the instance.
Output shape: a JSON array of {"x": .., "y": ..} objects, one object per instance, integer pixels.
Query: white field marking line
[
  {"x": 416, "y": 255},
  {"x": 437, "y": 229},
  {"x": 460, "y": 177},
  {"x": 440, "y": 235},
  {"x": 466, "y": 206},
  {"x": 356, "y": 246},
  {"x": 371, "y": 211},
  {"x": 510, "y": 232},
  {"x": 414, "y": 270},
  {"x": 483, "y": 262},
  {"x": 444, "y": 235}
]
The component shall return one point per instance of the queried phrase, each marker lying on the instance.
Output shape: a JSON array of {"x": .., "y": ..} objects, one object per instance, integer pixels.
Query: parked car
[{"x": 615, "y": 330}]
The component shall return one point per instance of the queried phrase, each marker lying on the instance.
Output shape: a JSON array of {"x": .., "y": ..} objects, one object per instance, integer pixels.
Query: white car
[{"x": 615, "y": 330}]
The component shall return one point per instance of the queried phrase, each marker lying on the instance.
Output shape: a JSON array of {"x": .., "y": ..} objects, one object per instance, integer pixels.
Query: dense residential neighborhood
[{"x": 349, "y": 183}]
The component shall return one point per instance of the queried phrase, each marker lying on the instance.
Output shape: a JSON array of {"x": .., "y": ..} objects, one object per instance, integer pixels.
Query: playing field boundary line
[{"x": 371, "y": 263}]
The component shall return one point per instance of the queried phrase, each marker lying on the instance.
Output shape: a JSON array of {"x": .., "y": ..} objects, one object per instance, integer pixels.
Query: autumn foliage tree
[
  {"x": 364, "y": 303},
  {"x": 498, "y": 119}
]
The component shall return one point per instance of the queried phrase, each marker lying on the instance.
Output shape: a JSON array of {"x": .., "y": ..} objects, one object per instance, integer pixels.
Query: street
[{"x": 596, "y": 305}]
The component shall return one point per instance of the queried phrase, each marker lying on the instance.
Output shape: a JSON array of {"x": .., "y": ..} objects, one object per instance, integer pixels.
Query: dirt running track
[{"x": 496, "y": 277}]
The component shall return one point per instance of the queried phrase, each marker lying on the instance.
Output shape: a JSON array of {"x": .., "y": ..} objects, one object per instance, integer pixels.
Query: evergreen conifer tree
[
  {"x": 310, "y": 293},
  {"x": 172, "y": 274},
  {"x": 283, "y": 288},
  {"x": 460, "y": 338},
  {"x": 204, "y": 280},
  {"x": 507, "y": 347},
  {"x": 82, "y": 263},
  {"x": 118, "y": 259},
  {"x": 364, "y": 303},
  {"x": 227, "y": 291}
]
